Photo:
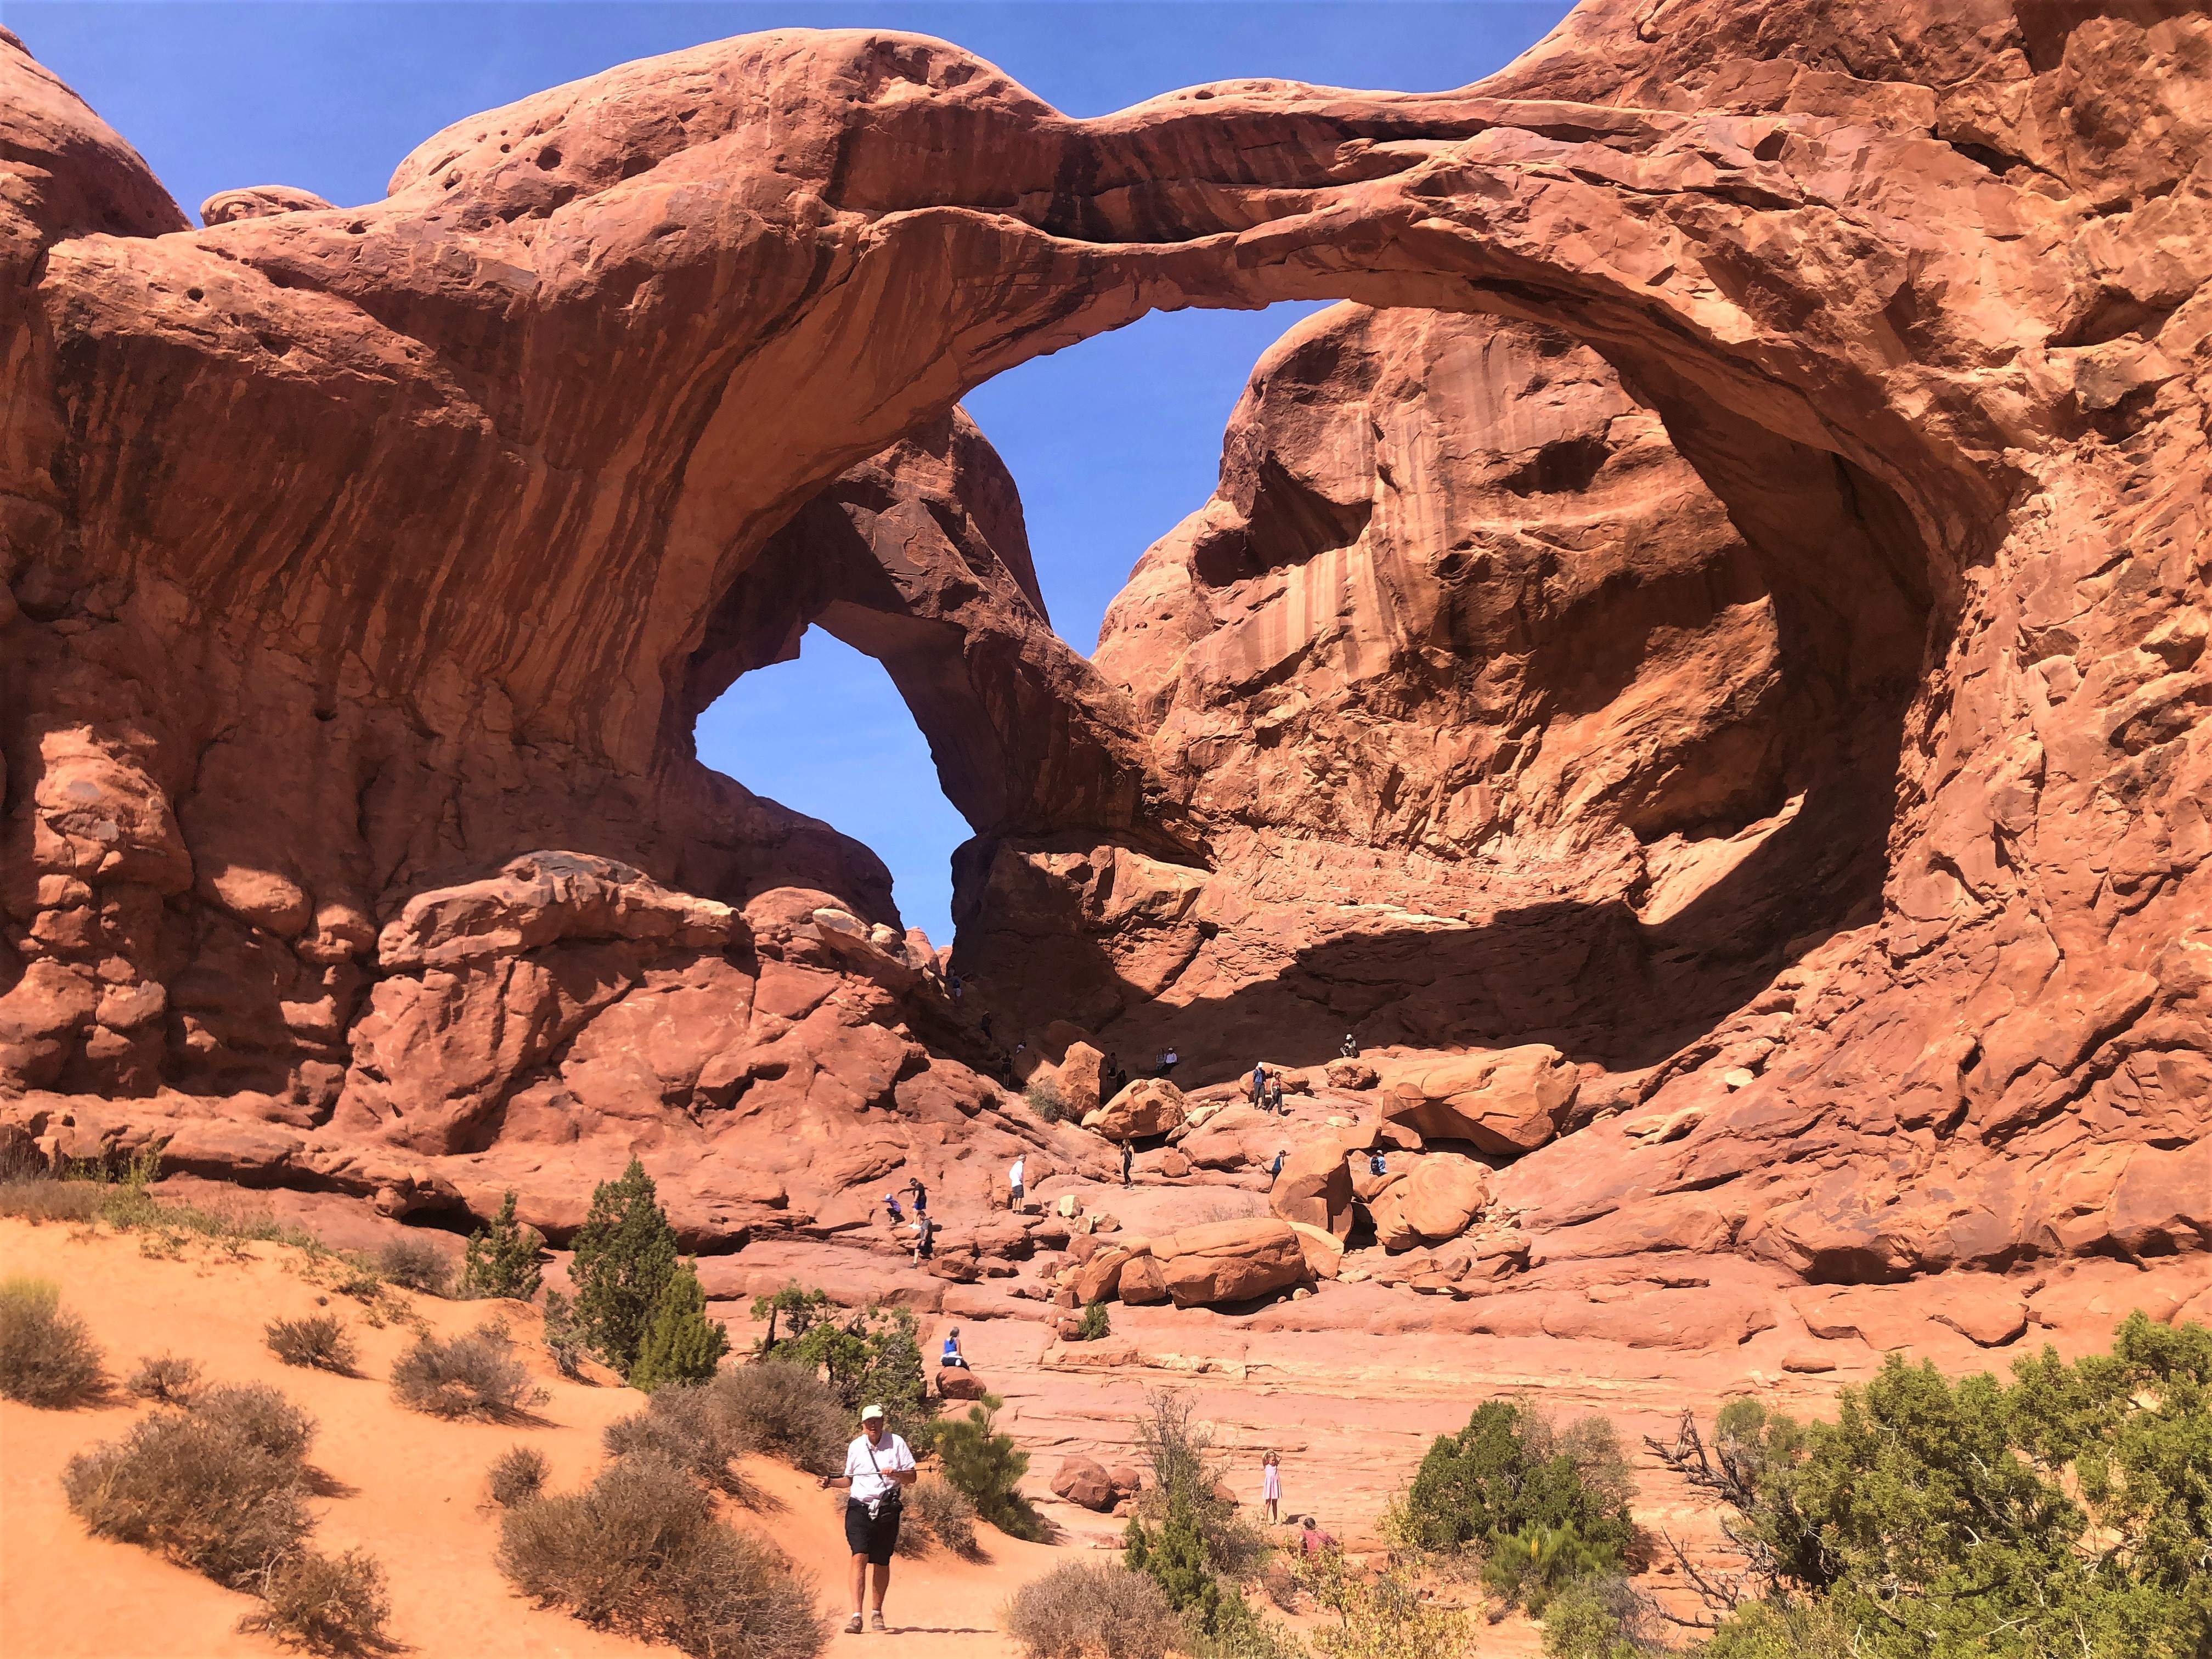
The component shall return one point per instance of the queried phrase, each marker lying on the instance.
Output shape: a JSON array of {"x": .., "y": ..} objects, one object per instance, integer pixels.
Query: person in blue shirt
[
  {"x": 1259, "y": 1084},
  {"x": 953, "y": 1357}
]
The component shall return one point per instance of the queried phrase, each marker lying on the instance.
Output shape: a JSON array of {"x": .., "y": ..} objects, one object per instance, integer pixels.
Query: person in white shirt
[
  {"x": 877, "y": 1469},
  {"x": 1014, "y": 1183}
]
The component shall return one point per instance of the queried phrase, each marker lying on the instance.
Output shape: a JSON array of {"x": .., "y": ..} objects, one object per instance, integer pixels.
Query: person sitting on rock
[
  {"x": 1349, "y": 1049},
  {"x": 1169, "y": 1060},
  {"x": 952, "y": 1357},
  {"x": 892, "y": 1206},
  {"x": 1375, "y": 1163}
]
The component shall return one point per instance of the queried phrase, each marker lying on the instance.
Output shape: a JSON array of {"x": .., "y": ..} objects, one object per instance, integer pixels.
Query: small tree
[
  {"x": 682, "y": 1345},
  {"x": 798, "y": 1309},
  {"x": 501, "y": 1260},
  {"x": 1173, "y": 1556},
  {"x": 986, "y": 1465},
  {"x": 625, "y": 1256}
]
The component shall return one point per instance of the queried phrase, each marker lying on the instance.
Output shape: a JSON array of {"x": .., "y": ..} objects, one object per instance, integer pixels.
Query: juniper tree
[{"x": 625, "y": 1256}]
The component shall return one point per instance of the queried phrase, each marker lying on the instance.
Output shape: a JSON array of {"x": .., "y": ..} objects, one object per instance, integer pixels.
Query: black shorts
[{"x": 874, "y": 1538}]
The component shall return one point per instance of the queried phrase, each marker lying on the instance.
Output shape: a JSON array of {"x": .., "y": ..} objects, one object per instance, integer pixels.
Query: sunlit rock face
[{"x": 1725, "y": 602}]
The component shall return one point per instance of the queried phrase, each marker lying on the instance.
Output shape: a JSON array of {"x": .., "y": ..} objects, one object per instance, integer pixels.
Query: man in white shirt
[
  {"x": 1016, "y": 1190},
  {"x": 878, "y": 1466}
]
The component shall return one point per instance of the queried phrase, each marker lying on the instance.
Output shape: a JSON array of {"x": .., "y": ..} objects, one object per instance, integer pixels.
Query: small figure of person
[
  {"x": 1312, "y": 1540},
  {"x": 1169, "y": 1060},
  {"x": 983, "y": 1026},
  {"x": 1375, "y": 1163},
  {"x": 925, "y": 1238},
  {"x": 878, "y": 1468},
  {"x": 1259, "y": 1084},
  {"x": 952, "y": 1357},
  {"x": 1117, "y": 1079},
  {"x": 1276, "y": 1168},
  {"x": 1271, "y": 1487},
  {"x": 1349, "y": 1049},
  {"x": 891, "y": 1208},
  {"x": 1128, "y": 1159},
  {"x": 920, "y": 1194},
  {"x": 1275, "y": 1093},
  {"x": 1016, "y": 1190},
  {"x": 952, "y": 984}
]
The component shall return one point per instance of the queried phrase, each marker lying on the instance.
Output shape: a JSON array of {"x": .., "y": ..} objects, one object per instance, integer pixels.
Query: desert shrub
[
  {"x": 1509, "y": 1474},
  {"x": 785, "y": 1412},
  {"x": 1525, "y": 1567},
  {"x": 1804, "y": 1629},
  {"x": 936, "y": 1506},
  {"x": 988, "y": 1467},
  {"x": 47, "y": 1357},
  {"x": 473, "y": 1376},
  {"x": 1179, "y": 1452},
  {"x": 327, "y": 1602},
  {"x": 625, "y": 1255},
  {"x": 1600, "y": 1617},
  {"x": 517, "y": 1476},
  {"x": 690, "y": 1427},
  {"x": 501, "y": 1260},
  {"x": 2070, "y": 1511},
  {"x": 564, "y": 1343},
  {"x": 165, "y": 1380},
  {"x": 1086, "y": 1610},
  {"x": 681, "y": 1345},
  {"x": 870, "y": 1356},
  {"x": 37, "y": 1198},
  {"x": 414, "y": 1264},
  {"x": 318, "y": 1342},
  {"x": 196, "y": 1488},
  {"x": 259, "y": 1415},
  {"x": 1094, "y": 1324},
  {"x": 1045, "y": 1100},
  {"x": 1382, "y": 1616},
  {"x": 639, "y": 1550}
]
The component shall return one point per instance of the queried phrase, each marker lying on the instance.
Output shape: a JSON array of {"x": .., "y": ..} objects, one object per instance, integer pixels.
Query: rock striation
[{"x": 1698, "y": 664}]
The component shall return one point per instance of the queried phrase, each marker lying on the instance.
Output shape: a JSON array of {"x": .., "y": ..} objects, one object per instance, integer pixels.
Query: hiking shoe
[
  {"x": 853, "y": 1626},
  {"x": 877, "y": 1622}
]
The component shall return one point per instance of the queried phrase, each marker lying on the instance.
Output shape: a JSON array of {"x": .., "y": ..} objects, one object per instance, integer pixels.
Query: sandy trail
[{"x": 408, "y": 1488}]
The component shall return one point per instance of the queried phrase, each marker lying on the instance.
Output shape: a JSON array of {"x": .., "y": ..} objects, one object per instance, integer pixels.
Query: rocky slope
[{"x": 1727, "y": 722}]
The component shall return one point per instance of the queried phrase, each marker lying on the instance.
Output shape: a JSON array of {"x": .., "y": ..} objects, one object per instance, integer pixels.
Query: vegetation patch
[
  {"x": 1087, "y": 1610},
  {"x": 517, "y": 1476},
  {"x": 474, "y": 1375},
  {"x": 318, "y": 1342},
  {"x": 47, "y": 1357}
]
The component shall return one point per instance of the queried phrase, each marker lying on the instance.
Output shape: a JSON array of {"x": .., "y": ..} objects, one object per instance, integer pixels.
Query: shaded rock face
[{"x": 1762, "y": 658}]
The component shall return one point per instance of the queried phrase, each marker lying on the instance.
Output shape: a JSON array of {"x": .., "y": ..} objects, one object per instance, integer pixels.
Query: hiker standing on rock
[
  {"x": 920, "y": 1194},
  {"x": 1128, "y": 1159},
  {"x": 877, "y": 1469},
  {"x": 1169, "y": 1060},
  {"x": 1275, "y": 1093},
  {"x": 925, "y": 1237},
  {"x": 1271, "y": 1487},
  {"x": 1016, "y": 1192},
  {"x": 1259, "y": 1084}
]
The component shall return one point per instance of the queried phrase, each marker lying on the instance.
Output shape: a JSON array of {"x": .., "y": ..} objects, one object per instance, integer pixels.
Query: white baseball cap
[{"x": 871, "y": 1413}]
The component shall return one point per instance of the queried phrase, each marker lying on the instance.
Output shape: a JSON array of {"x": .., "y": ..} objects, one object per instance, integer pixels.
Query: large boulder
[
  {"x": 1080, "y": 1077},
  {"x": 1505, "y": 1103},
  {"x": 1324, "y": 1252},
  {"x": 958, "y": 1383},
  {"x": 1443, "y": 1194},
  {"x": 1229, "y": 1261},
  {"x": 1099, "y": 1280},
  {"x": 1143, "y": 1283},
  {"x": 1150, "y": 1107},
  {"x": 1085, "y": 1481},
  {"x": 1315, "y": 1185}
]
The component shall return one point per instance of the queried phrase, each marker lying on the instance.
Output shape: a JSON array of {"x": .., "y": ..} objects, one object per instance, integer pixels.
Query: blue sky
[{"x": 1111, "y": 441}]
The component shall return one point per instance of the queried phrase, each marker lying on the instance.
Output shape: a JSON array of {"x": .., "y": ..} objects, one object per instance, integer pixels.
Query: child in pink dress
[{"x": 1271, "y": 1486}]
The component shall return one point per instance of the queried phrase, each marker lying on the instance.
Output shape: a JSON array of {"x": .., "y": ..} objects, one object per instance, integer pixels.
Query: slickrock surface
[{"x": 1699, "y": 666}]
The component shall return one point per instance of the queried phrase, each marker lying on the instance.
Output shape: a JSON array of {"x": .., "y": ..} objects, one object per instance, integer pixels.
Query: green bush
[
  {"x": 784, "y": 1411},
  {"x": 1806, "y": 1629},
  {"x": 625, "y": 1255},
  {"x": 331, "y": 1603},
  {"x": 564, "y": 1343},
  {"x": 319, "y": 1342},
  {"x": 414, "y": 1264},
  {"x": 1509, "y": 1472},
  {"x": 1045, "y": 1100},
  {"x": 1527, "y": 1566},
  {"x": 870, "y": 1356},
  {"x": 473, "y": 1376},
  {"x": 517, "y": 1475},
  {"x": 639, "y": 1552},
  {"x": 986, "y": 1465},
  {"x": 1381, "y": 1617},
  {"x": 1178, "y": 1451},
  {"x": 681, "y": 1344},
  {"x": 1599, "y": 1617},
  {"x": 1085, "y": 1610},
  {"x": 2071, "y": 1511},
  {"x": 47, "y": 1357},
  {"x": 501, "y": 1260},
  {"x": 165, "y": 1380},
  {"x": 1095, "y": 1324}
]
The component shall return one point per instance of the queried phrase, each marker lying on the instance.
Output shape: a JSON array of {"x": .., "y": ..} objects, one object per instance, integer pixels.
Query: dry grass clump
[
  {"x": 691, "y": 1427},
  {"x": 473, "y": 1376},
  {"x": 1085, "y": 1610},
  {"x": 414, "y": 1264},
  {"x": 332, "y": 1603},
  {"x": 518, "y": 1475},
  {"x": 261, "y": 1416},
  {"x": 36, "y": 1198},
  {"x": 639, "y": 1550},
  {"x": 787, "y": 1412},
  {"x": 944, "y": 1512},
  {"x": 319, "y": 1342},
  {"x": 47, "y": 1357},
  {"x": 165, "y": 1380}
]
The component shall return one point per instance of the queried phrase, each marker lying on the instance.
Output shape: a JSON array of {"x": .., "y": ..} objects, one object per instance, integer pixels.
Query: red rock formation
[{"x": 1766, "y": 666}]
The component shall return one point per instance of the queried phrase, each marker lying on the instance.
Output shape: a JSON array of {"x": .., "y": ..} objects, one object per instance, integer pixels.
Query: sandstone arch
[{"x": 352, "y": 552}]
